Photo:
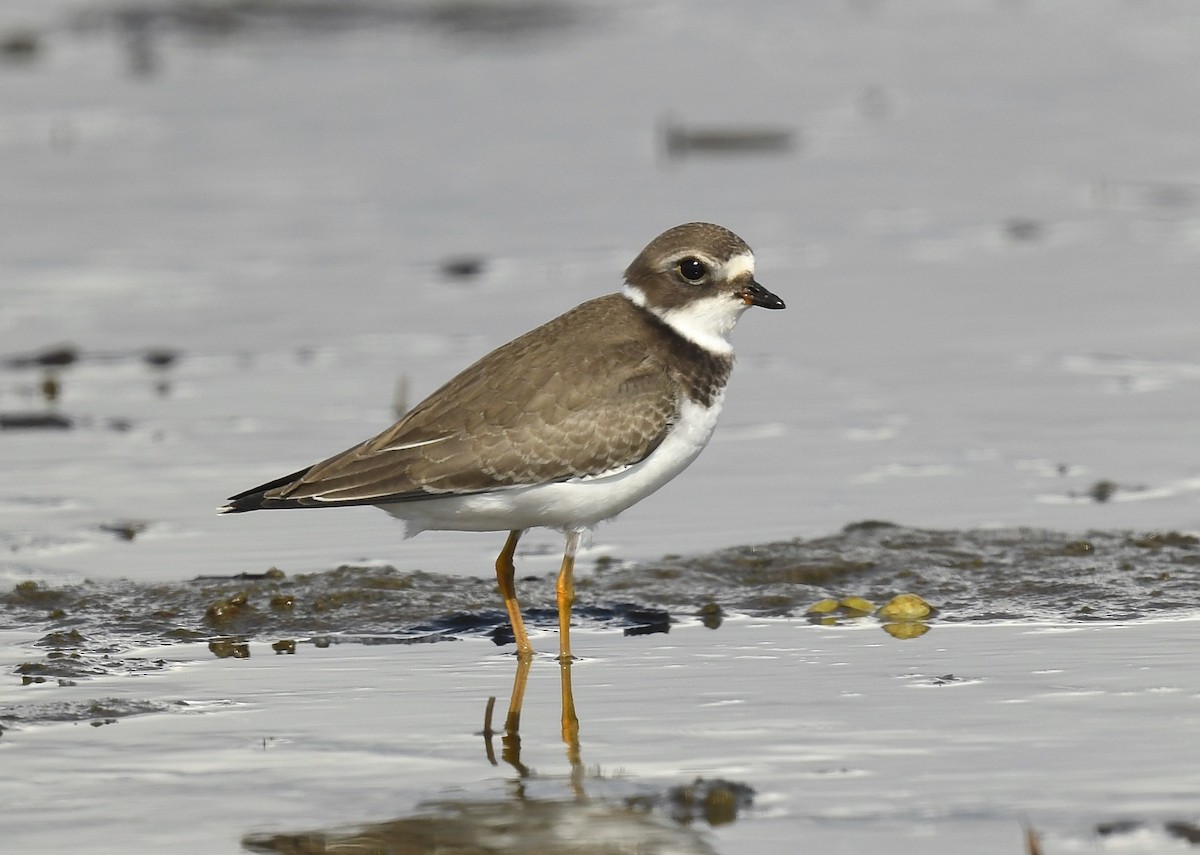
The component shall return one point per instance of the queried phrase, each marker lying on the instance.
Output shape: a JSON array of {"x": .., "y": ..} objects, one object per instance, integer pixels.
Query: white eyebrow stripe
[{"x": 740, "y": 265}]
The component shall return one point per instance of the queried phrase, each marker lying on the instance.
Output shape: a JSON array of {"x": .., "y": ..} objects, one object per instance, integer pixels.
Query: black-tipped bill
[{"x": 756, "y": 295}]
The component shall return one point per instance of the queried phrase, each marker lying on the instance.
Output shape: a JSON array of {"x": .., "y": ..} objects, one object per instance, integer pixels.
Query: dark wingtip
[
  {"x": 255, "y": 499},
  {"x": 239, "y": 506}
]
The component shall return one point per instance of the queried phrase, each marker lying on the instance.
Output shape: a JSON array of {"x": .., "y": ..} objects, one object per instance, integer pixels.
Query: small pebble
[
  {"x": 856, "y": 606},
  {"x": 823, "y": 607},
  {"x": 225, "y": 648},
  {"x": 905, "y": 607}
]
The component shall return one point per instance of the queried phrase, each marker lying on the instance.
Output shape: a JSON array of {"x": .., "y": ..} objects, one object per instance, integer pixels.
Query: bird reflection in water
[{"x": 627, "y": 817}]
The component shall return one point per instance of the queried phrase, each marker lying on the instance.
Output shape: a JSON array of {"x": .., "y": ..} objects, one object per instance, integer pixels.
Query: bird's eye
[{"x": 692, "y": 269}]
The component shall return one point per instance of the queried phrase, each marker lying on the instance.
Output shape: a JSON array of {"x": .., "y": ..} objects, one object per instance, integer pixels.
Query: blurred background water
[{"x": 252, "y": 221}]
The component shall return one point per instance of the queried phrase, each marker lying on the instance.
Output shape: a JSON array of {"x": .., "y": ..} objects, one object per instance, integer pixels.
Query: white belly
[{"x": 576, "y": 504}]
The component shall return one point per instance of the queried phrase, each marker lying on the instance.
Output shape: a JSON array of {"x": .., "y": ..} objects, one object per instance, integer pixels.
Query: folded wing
[{"x": 514, "y": 418}]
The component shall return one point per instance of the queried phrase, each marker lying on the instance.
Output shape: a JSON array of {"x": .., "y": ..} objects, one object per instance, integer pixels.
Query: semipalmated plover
[{"x": 564, "y": 427}]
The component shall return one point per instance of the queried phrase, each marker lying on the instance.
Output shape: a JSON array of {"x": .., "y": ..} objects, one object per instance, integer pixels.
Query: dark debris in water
[
  {"x": 65, "y": 355},
  {"x": 1185, "y": 830},
  {"x": 57, "y": 422},
  {"x": 680, "y": 141},
  {"x": 602, "y": 823},
  {"x": 1010, "y": 574},
  {"x": 463, "y": 267},
  {"x": 148, "y": 30},
  {"x": 20, "y": 46},
  {"x": 58, "y": 356},
  {"x": 54, "y": 364},
  {"x": 124, "y": 529},
  {"x": 35, "y": 421},
  {"x": 96, "y": 712},
  {"x": 67, "y": 666},
  {"x": 715, "y": 801},
  {"x": 214, "y": 19}
]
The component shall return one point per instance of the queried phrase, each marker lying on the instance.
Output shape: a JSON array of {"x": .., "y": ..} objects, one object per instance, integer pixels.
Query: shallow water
[
  {"x": 238, "y": 237},
  {"x": 849, "y": 740}
]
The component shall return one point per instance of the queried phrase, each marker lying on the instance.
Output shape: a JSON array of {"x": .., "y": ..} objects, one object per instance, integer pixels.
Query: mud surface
[{"x": 977, "y": 576}]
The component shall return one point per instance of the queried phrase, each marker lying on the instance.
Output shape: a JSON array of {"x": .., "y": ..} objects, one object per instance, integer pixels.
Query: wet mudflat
[
  {"x": 1020, "y": 575},
  {"x": 716, "y": 714},
  {"x": 241, "y": 236}
]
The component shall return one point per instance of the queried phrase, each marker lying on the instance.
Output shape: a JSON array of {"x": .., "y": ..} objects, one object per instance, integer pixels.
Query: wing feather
[{"x": 567, "y": 400}]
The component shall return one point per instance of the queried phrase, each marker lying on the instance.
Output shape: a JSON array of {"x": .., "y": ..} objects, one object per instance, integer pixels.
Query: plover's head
[{"x": 698, "y": 278}]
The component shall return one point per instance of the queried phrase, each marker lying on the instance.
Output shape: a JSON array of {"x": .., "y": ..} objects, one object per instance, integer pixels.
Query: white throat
[{"x": 706, "y": 322}]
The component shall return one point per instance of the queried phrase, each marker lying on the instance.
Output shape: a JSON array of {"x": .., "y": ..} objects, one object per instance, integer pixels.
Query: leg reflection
[
  {"x": 570, "y": 728},
  {"x": 510, "y": 738},
  {"x": 570, "y": 721}
]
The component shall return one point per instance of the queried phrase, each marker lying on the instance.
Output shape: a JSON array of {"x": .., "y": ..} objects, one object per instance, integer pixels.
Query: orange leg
[
  {"x": 566, "y": 595},
  {"x": 566, "y": 598},
  {"x": 508, "y": 590}
]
